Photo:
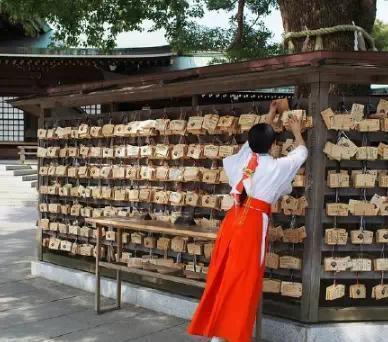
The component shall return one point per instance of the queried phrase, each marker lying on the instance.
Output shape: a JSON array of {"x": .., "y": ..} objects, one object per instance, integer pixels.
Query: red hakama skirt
[{"x": 235, "y": 279}]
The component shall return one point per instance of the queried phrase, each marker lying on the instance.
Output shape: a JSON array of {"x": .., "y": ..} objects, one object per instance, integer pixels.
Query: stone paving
[{"x": 35, "y": 309}]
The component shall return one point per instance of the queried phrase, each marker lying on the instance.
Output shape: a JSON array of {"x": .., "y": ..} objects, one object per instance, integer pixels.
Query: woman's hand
[
  {"x": 273, "y": 108},
  {"x": 295, "y": 125}
]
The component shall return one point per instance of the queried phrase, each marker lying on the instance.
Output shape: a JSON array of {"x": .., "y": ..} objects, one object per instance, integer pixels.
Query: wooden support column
[
  {"x": 195, "y": 101},
  {"x": 39, "y": 234},
  {"x": 315, "y": 175},
  {"x": 97, "y": 296},
  {"x": 259, "y": 321},
  {"x": 113, "y": 107}
]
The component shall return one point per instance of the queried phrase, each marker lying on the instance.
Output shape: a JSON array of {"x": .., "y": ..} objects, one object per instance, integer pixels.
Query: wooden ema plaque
[
  {"x": 290, "y": 262},
  {"x": 357, "y": 291},
  {"x": 271, "y": 285},
  {"x": 361, "y": 237},
  {"x": 272, "y": 260},
  {"x": 337, "y": 264},
  {"x": 380, "y": 264},
  {"x": 335, "y": 291},
  {"x": 380, "y": 291},
  {"x": 382, "y": 236},
  {"x": 336, "y": 236},
  {"x": 291, "y": 289}
]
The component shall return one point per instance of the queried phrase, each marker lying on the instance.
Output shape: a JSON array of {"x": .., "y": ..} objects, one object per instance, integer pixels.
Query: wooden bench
[
  {"x": 121, "y": 224},
  {"x": 27, "y": 150}
]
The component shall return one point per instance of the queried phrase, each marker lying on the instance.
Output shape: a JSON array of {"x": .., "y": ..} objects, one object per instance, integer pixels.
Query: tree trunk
[
  {"x": 315, "y": 14},
  {"x": 237, "y": 42}
]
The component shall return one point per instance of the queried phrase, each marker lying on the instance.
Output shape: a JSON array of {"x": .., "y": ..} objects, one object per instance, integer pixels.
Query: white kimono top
[{"x": 272, "y": 178}]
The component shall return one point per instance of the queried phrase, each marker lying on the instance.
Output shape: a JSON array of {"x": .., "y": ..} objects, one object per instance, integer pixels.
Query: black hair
[{"x": 261, "y": 137}]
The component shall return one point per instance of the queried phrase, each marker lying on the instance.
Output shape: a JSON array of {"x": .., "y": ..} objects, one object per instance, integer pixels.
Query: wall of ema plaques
[{"x": 164, "y": 166}]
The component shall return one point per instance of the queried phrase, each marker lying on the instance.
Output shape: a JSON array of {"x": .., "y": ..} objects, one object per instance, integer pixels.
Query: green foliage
[
  {"x": 380, "y": 34},
  {"x": 29, "y": 22},
  {"x": 99, "y": 22}
]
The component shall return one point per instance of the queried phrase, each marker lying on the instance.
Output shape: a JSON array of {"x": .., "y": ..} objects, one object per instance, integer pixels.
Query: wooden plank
[
  {"x": 13, "y": 143},
  {"x": 354, "y": 74},
  {"x": 357, "y": 313},
  {"x": 355, "y": 192},
  {"x": 153, "y": 226},
  {"x": 355, "y": 164},
  {"x": 27, "y": 153},
  {"x": 356, "y": 136},
  {"x": 353, "y": 219},
  {"x": 315, "y": 173},
  {"x": 28, "y": 147},
  {"x": 140, "y": 272},
  {"x": 349, "y": 247},
  {"x": 221, "y": 108},
  {"x": 282, "y": 309},
  {"x": 247, "y": 81},
  {"x": 352, "y": 275}
]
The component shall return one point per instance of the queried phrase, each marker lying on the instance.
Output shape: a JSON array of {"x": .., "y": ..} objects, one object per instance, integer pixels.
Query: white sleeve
[
  {"x": 290, "y": 164},
  {"x": 234, "y": 165},
  {"x": 286, "y": 189}
]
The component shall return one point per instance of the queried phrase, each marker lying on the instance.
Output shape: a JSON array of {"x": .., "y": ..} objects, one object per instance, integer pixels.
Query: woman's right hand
[
  {"x": 273, "y": 107},
  {"x": 295, "y": 125}
]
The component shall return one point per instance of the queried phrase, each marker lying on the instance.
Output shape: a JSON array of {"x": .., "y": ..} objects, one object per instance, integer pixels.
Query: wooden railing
[{"x": 27, "y": 150}]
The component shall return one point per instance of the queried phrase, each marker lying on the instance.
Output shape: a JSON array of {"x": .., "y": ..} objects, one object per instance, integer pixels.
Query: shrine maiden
[{"x": 234, "y": 284}]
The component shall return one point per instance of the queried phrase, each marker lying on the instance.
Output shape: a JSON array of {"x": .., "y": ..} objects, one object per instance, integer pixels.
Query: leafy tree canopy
[
  {"x": 380, "y": 34},
  {"x": 99, "y": 21}
]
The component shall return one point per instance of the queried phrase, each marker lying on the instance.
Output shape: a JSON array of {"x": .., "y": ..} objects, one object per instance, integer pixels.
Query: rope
[{"x": 287, "y": 37}]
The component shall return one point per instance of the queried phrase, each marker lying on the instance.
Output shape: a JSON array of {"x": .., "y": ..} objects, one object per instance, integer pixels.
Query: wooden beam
[
  {"x": 154, "y": 227},
  {"x": 301, "y": 59},
  {"x": 143, "y": 273},
  {"x": 354, "y": 74},
  {"x": 250, "y": 81},
  {"x": 358, "y": 313},
  {"x": 194, "y": 73},
  {"x": 290, "y": 310},
  {"x": 133, "y": 88},
  {"x": 18, "y": 74}
]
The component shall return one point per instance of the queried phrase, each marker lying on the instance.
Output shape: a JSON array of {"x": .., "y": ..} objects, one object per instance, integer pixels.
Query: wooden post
[
  {"x": 315, "y": 175},
  {"x": 22, "y": 154},
  {"x": 39, "y": 233},
  {"x": 259, "y": 320},
  {"x": 194, "y": 101},
  {"x": 118, "y": 272},
  {"x": 98, "y": 251}
]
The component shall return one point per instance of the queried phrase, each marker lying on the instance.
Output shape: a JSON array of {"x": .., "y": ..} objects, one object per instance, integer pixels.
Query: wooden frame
[{"x": 318, "y": 70}]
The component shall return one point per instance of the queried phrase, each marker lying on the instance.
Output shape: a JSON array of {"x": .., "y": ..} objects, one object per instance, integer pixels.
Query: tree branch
[
  {"x": 254, "y": 23},
  {"x": 240, "y": 23}
]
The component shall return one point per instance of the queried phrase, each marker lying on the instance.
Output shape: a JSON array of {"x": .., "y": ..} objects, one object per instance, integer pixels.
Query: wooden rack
[{"x": 316, "y": 71}]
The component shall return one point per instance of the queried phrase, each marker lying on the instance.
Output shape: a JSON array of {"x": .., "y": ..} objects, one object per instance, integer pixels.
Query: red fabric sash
[{"x": 248, "y": 171}]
